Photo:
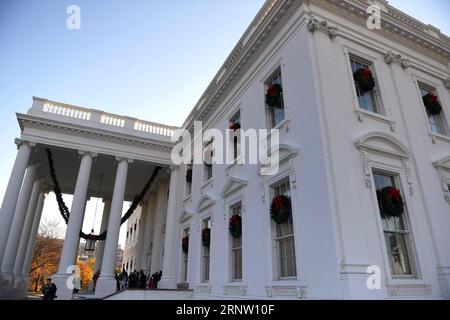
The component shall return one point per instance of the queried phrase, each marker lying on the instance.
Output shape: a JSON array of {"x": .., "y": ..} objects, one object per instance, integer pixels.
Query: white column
[
  {"x": 106, "y": 284},
  {"x": 101, "y": 244},
  {"x": 140, "y": 238},
  {"x": 158, "y": 240},
  {"x": 16, "y": 228},
  {"x": 72, "y": 238},
  {"x": 12, "y": 191},
  {"x": 32, "y": 239},
  {"x": 23, "y": 244},
  {"x": 168, "y": 280}
]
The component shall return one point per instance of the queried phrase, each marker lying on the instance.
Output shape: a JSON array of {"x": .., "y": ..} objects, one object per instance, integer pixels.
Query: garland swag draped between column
[{"x": 65, "y": 213}]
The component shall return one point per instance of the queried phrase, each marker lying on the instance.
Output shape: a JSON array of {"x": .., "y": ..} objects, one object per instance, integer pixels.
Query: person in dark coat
[
  {"x": 142, "y": 280},
  {"x": 49, "y": 290}
]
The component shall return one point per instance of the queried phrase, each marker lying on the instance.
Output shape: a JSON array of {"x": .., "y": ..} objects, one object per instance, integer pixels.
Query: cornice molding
[
  {"x": 31, "y": 121},
  {"x": 395, "y": 25}
]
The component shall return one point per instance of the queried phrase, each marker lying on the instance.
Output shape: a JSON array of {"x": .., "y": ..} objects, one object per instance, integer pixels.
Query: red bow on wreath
[
  {"x": 433, "y": 98},
  {"x": 394, "y": 194},
  {"x": 271, "y": 91},
  {"x": 234, "y": 219},
  {"x": 278, "y": 203},
  {"x": 367, "y": 74}
]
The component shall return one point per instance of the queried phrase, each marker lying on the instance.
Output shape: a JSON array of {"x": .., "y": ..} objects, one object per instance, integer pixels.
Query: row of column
[
  {"x": 19, "y": 221},
  {"x": 20, "y": 216}
]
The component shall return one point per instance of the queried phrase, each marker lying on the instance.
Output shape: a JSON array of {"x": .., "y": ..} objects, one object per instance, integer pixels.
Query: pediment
[
  {"x": 187, "y": 214},
  {"x": 232, "y": 185},
  {"x": 384, "y": 143},
  {"x": 443, "y": 163},
  {"x": 205, "y": 202}
]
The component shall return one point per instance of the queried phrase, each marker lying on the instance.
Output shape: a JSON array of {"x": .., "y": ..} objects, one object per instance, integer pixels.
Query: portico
[{"x": 85, "y": 145}]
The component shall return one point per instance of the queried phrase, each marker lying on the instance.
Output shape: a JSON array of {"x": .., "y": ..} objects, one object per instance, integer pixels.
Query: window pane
[{"x": 396, "y": 235}]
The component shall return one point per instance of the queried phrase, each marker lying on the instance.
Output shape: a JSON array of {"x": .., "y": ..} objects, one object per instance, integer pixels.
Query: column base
[
  {"x": 17, "y": 281},
  {"x": 63, "y": 292},
  {"x": 105, "y": 286},
  {"x": 167, "y": 283},
  {"x": 12, "y": 294},
  {"x": 6, "y": 281}
]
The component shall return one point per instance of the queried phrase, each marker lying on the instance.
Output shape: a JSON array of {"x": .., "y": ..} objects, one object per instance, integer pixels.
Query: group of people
[{"x": 137, "y": 280}]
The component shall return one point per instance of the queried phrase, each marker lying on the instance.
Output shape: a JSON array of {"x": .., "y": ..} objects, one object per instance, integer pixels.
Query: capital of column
[
  {"x": 19, "y": 142},
  {"x": 87, "y": 153},
  {"x": 172, "y": 168},
  {"x": 122, "y": 158}
]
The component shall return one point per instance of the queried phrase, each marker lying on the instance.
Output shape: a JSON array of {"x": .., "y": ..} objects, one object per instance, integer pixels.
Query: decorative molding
[
  {"x": 187, "y": 214},
  {"x": 443, "y": 166},
  {"x": 232, "y": 185},
  {"x": 447, "y": 83},
  {"x": 20, "y": 142},
  {"x": 286, "y": 152},
  {"x": 385, "y": 143},
  {"x": 91, "y": 154},
  {"x": 235, "y": 290},
  {"x": 409, "y": 290},
  {"x": 206, "y": 201},
  {"x": 354, "y": 267},
  {"x": 203, "y": 289},
  {"x": 284, "y": 291},
  {"x": 366, "y": 169},
  {"x": 390, "y": 58},
  {"x": 32, "y": 121},
  {"x": 408, "y": 176},
  {"x": 316, "y": 25},
  {"x": 362, "y": 114}
]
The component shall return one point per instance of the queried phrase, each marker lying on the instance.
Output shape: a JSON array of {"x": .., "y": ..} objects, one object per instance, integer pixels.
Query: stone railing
[{"x": 96, "y": 118}]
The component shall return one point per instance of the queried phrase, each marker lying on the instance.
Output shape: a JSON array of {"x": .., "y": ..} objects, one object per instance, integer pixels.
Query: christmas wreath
[
  {"x": 432, "y": 104},
  {"x": 185, "y": 244},
  {"x": 206, "y": 237},
  {"x": 364, "y": 79},
  {"x": 274, "y": 95},
  {"x": 390, "y": 202},
  {"x": 235, "y": 226},
  {"x": 235, "y": 126},
  {"x": 189, "y": 175},
  {"x": 281, "y": 210}
]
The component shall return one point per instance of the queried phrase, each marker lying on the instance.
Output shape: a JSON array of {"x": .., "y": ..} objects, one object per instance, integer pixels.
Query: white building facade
[{"x": 341, "y": 144}]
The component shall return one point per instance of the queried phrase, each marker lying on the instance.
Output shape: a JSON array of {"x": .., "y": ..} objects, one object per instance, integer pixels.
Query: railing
[{"x": 116, "y": 122}]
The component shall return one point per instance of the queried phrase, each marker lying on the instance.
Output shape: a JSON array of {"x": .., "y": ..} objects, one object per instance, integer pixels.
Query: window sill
[
  {"x": 362, "y": 114},
  {"x": 408, "y": 287},
  {"x": 287, "y": 288},
  {"x": 235, "y": 288},
  {"x": 283, "y": 125},
  {"x": 437, "y": 136}
]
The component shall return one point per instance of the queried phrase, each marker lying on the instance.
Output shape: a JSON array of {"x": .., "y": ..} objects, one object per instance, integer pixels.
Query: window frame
[
  {"x": 208, "y": 169},
  {"x": 379, "y": 107},
  {"x": 205, "y": 253},
  {"x": 233, "y": 248},
  {"x": 276, "y": 237},
  {"x": 277, "y": 72},
  {"x": 424, "y": 86},
  {"x": 413, "y": 254}
]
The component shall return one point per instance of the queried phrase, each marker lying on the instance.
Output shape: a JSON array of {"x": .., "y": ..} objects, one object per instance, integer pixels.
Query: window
[
  {"x": 205, "y": 253},
  {"x": 236, "y": 248},
  {"x": 276, "y": 106},
  {"x": 188, "y": 180},
  {"x": 185, "y": 258},
  {"x": 208, "y": 174},
  {"x": 235, "y": 125},
  {"x": 396, "y": 231},
  {"x": 284, "y": 238},
  {"x": 368, "y": 100},
  {"x": 436, "y": 121}
]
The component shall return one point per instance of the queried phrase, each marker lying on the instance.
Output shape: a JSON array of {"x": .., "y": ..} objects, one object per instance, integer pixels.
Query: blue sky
[{"x": 146, "y": 59}]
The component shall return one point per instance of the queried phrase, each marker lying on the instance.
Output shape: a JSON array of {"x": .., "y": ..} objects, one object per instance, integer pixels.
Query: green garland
[{"x": 64, "y": 210}]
